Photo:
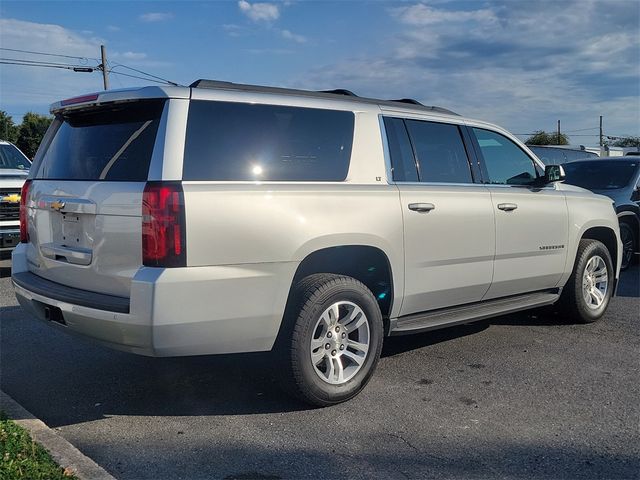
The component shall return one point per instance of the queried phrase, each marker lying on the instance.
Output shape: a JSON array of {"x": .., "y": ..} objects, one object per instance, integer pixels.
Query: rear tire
[
  {"x": 332, "y": 339},
  {"x": 586, "y": 295}
]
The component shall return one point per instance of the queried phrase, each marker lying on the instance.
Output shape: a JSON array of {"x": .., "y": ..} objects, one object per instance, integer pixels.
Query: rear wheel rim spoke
[{"x": 340, "y": 343}]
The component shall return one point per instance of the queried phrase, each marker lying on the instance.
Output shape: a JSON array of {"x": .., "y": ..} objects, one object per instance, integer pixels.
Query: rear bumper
[{"x": 171, "y": 312}]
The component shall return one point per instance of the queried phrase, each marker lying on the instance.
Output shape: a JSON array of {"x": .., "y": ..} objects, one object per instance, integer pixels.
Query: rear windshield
[
  {"x": 239, "y": 141},
  {"x": 11, "y": 157},
  {"x": 106, "y": 143},
  {"x": 600, "y": 175},
  {"x": 557, "y": 156}
]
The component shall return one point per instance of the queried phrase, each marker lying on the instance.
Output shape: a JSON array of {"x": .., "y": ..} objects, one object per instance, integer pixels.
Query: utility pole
[
  {"x": 558, "y": 137},
  {"x": 105, "y": 74},
  {"x": 601, "y": 143}
]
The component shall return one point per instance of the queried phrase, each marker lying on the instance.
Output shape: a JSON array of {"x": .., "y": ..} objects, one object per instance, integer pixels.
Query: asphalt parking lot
[{"x": 520, "y": 396}]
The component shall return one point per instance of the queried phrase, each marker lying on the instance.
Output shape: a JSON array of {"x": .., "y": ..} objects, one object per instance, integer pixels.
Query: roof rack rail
[
  {"x": 202, "y": 83},
  {"x": 408, "y": 100},
  {"x": 339, "y": 91},
  {"x": 217, "y": 84}
]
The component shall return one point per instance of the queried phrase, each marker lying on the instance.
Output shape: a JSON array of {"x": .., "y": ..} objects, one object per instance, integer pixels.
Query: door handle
[
  {"x": 76, "y": 256},
  {"x": 421, "y": 207},
  {"x": 507, "y": 207}
]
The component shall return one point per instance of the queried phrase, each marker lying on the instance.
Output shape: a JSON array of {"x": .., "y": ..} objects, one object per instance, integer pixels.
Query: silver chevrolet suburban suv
[
  {"x": 222, "y": 218},
  {"x": 14, "y": 168}
]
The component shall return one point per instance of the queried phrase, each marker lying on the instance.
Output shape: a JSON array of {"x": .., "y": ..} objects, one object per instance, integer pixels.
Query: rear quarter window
[
  {"x": 229, "y": 141},
  {"x": 110, "y": 143}
]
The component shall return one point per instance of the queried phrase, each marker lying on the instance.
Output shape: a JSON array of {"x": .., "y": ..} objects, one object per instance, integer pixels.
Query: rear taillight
[
  {"x": 163, "y": 225},
  {"x": 24, "y": 228}
]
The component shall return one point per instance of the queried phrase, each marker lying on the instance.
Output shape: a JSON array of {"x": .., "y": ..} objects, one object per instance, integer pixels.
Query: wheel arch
[
  {"x": 368, "y": 264},
  {"x": 632, "y": 218},
  {"x": 608, "y": 237}
]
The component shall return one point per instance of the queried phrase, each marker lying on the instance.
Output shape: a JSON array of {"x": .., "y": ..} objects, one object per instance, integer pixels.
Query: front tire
[
  {"x": 586, "y": 295},
  {"x": 332, "y": 339},
  {"x": 628, "y": 238}
]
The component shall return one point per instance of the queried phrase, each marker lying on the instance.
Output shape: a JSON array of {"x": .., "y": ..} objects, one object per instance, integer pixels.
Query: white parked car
[
  {"x": 224, "y": 218},
  {"x": 14, "y": 168}
]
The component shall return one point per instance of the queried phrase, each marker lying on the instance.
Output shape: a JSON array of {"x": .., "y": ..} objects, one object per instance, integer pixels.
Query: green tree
[
  {"x": 627, "y": 142},
  {"x": 540, "y": 137},
  {"x": 31, "y": 131},
  {"x": 8, "y": 129}
]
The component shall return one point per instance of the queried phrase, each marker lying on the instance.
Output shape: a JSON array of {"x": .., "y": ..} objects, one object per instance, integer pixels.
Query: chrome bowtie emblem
[{"x": 57, "y": 205}]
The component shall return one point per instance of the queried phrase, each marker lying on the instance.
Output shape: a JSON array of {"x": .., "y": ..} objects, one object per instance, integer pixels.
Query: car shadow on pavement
[{"x": 65, "y": 380}]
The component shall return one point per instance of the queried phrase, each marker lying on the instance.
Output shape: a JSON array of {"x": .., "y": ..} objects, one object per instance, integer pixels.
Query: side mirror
[{"x": 553, "y": 173}]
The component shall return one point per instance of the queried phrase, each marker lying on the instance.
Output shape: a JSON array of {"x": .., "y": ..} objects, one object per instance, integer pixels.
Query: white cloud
[
  {"x": 293, "y": 36},
  {"x": 35, "y": 88},
  {"x": 269, "y": 51},
  {"x": 113, "y": 28},
  {"x": 156, "y": 17},
  {"x": 265, "y": 12},
  {"x": 130, "y": 55},
  {"x": 234, "y": 30},
  {"x": 523, "y": 65},
  {"x": 421, "y": 14},
  {"x": 31, "y": 88}
]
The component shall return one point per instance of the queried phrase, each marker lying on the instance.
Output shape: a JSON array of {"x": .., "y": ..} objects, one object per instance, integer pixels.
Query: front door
[{"x": 531, "y": 223}]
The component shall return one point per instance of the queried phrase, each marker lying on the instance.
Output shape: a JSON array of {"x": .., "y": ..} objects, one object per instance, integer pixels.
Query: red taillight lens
[
  {"x": 24, "y": 228},
  {"x": 163, "y": 226}
]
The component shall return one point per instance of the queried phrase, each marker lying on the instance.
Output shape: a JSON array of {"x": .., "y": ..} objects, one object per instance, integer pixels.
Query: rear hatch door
[{"x": 86, "y": 196}]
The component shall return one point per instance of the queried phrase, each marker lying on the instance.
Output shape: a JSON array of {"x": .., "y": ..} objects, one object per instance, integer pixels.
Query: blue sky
[{"x": 521, "y": 64}]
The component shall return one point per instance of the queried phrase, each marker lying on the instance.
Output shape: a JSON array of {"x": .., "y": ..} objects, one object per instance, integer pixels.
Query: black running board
[{"x": 445, "y": 317}]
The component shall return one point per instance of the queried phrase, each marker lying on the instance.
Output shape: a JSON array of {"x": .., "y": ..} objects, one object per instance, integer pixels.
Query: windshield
[
  {"x": 11, "y": 157},
  {"x": 600, "y": 175},
  {"x": 112, "y": 143}
]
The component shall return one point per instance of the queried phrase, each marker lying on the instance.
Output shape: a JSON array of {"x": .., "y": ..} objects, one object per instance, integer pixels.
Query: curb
[{"x": 64, "y": 453}]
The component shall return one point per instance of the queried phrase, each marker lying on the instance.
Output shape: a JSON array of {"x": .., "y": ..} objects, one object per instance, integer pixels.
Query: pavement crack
[{"x": 407, "y": 442}]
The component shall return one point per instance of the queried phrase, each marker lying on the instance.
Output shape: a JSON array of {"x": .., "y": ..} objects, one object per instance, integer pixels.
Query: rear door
[
  {"x": 448, "y": 219},
  {"x": 531, "y": 222},
  {"x": 86, "y": 196}
]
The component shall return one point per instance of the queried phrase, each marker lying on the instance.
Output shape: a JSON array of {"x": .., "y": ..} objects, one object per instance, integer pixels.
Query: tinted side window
[
  {"x": 440, "y": 152},
  {"x": 402, "y": 161},
  {"x": 241, "y": 141},
  {"x": 506, "y": 163}
]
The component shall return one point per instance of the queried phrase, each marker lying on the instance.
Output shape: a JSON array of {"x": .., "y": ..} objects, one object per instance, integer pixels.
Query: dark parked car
[
  {"x": 618, "y": 179},
  {"x": 557, "y": 155}
]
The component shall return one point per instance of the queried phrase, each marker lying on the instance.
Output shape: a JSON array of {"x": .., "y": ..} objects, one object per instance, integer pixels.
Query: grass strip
[{"x": 22, "y": 458}]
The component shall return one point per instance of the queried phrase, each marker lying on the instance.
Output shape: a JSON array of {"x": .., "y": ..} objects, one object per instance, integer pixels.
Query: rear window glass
[
  {"x": 106, "y": 143},
  {"x": 402, "y": 159},
  {"x": 239, "y": 141},
  {"x": 441, "y": 155},
  {"x": 557, "y": 156},
  {"x": 11, "y": 157},
  {"x": 600, "y": 175}
]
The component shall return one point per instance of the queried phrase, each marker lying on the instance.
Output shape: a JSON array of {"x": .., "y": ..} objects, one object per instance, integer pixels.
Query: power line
[
  {"x": 141, "y": 78},
  {"x": 39, "y": 62},
  {"x": 581, "y": 129},
  {"x": 75, "y": 69},
  {"x": 43, "y": 53},
  {"x": 574, "y": 135},
  {"x": 144, "y": 73}
]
